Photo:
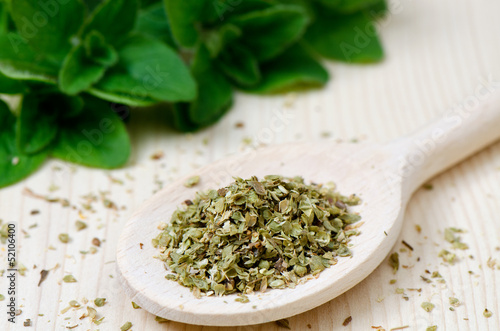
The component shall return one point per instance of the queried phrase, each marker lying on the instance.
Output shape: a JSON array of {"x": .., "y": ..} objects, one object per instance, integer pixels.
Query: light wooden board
[{"x": 439, "y": 53}]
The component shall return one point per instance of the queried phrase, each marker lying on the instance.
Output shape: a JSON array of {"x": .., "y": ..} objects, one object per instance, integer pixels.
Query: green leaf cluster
[
  {"x": 72, "y": 62},
  {"x": 266, "y": 46}
]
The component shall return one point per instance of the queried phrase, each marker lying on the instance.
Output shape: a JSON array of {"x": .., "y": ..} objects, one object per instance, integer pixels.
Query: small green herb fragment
[
  {"x": 69, "y": 279},
  {"x": 394, "y": 262},
  {"x": 92, "y": 313},
  {"x": 257, "y": 234},
  {"x": 427, "y": 306},
  {"x": 126, "y": 326},
  {"x": 192, "y": 181},
  {"x": 431, "y": 328},
  {"x": 242, "y": 298},
  {"x": 428, "y": 186},
  {"x": 447, "y": 256},
  {"x": 135, "y": 305},
  {"x": 64, "y": 238},
  {"x": 2, "y": 297},
  {"x": 454, "y": 301},
  {"x": 80, "y": 225},
  {"x": 99, "y": 321},
  {"x": 449, "y": 236},
  {"x": 99, "y": 302},
  {"x": 161, "y": 319},
  {"x": 74, "y": 304},
  {"x": 283, "y": 323},
  {"x": 487, "y": 313}
]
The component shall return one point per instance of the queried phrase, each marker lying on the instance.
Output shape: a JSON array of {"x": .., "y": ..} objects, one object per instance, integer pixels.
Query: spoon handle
[{"x": 455, "y": 135}]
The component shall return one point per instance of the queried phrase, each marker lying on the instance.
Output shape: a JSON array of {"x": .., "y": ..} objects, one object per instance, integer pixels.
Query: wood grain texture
[{"x": 438, "y": 54}]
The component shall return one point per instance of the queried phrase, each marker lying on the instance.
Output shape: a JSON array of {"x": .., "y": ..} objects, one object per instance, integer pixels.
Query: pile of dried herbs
[{"x": 254, "y": 234}]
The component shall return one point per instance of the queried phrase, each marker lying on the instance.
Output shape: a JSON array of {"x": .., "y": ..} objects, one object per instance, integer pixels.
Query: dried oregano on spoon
[{"x": 254, "y": 234}]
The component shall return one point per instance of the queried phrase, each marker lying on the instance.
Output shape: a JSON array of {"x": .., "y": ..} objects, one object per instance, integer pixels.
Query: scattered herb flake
[
  {"x": 126, "y": 326},
  {"x": 91, "y": 313},
  {"x": 161, "y": 319},
  {"x": 99, "y": 321},
  {"x": 487, "y": 313},
  {"x": 407, "y": 245},
  {"x": 192, "y": 181},
  {"x": 99, "y": 302},
  {"x": 425, "y": 279},
  {"x": 157, "y": 156},
  {"x": 43, "y": 276},
  {"x": 135, "y": 305},
  {"x": 96, "y": 242},
  {"x": 447, "y": 256},
  {"x": 394, "y": 262},
  {"x": 80, "y": 225},
  {"x": 418, "y": 228},
  {"x": 74, "y": 304},
  {"x": 283, "y": 323},
  {"x": 454, "y": 301},
  {"x": 347, "y": 321},
  {"x": 69, "y": 279},
  {"x": 64, "y": 238},
  {"x": 427, "y": 306},
  {"x": 428, "y": 187},
  {"x": 431, "y": 328}
]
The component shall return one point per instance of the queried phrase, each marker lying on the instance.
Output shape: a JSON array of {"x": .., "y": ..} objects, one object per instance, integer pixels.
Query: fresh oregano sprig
[
  {"x": 71, "y": 65},
  {"x": 253, "y": 235}
]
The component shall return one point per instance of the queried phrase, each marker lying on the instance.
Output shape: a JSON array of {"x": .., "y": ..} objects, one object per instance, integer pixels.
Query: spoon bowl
[{"x": 384, "y": 176}]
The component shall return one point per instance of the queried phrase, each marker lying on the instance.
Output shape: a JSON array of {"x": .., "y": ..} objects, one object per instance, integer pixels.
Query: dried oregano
[{"x": 253, "y": 235}]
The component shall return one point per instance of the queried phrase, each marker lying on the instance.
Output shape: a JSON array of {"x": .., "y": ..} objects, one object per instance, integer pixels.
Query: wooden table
[{"x": 439, "y": 55}]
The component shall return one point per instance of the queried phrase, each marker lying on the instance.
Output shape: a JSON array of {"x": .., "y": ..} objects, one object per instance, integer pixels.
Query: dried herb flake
[{"x": 427, "y": 306}]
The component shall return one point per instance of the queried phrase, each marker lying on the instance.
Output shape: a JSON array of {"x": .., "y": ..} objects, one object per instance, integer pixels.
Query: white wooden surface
[{"x": 438, "y": 54}]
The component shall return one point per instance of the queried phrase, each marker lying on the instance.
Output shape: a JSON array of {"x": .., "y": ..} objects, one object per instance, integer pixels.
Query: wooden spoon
[{"x": 384, "y": 176}]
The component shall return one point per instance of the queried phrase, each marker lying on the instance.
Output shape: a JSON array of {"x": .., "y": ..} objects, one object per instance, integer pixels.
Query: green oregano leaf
[
  {"x": 79, "y": 73},
  {"x": 349, "y": 6},
  {"x": 48, "y": 27},
  {"x": 11, "y": 86},
  {"x": 240, "y": 65},
  {"x": 98, "y": 50},
  {"x": 349, "y": 38},
  {"x": 183, "y": 16},
  {"x": 216, "y": 40},
  {"x": 220, "y": 10},
  {"x": 36, "y": 124},
  {"x": 96, "y": 138},
  {"x": 14, "y": 166},
  {"x": 215, "y": 93},
  {"x": 148, "y": 72},
  {"x": 86, "y": 64},
  {"x": 19, "y": 61},
  {"x": 153, "y": 22},
  {"x": 270, "y": 31},
  {"x": 114, "y": 19},
  {"x": 293, "y": 69}
]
